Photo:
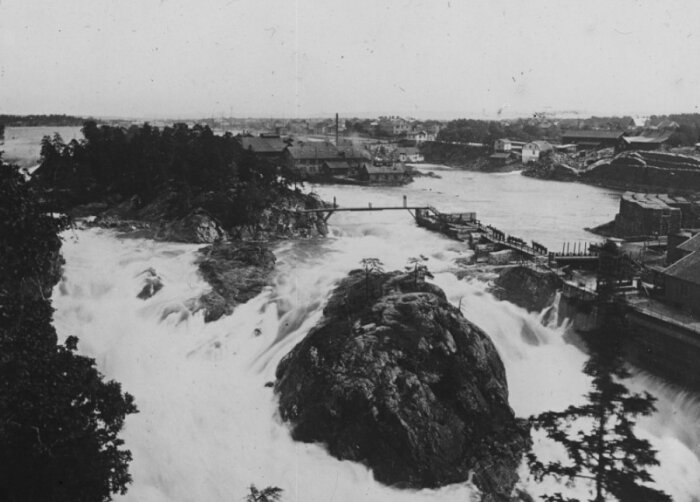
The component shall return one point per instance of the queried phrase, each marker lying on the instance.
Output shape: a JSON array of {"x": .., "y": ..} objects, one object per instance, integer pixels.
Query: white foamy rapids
[{"x": 208, "y": 426}]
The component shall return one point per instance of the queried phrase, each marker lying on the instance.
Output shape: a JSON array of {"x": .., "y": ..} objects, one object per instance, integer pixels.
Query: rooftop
[
  {"x": 263, "y": 145},
  {"x": 393, "y": 169},
  {"x": 337, "y": 164},
  {"x": 592, "y": 134},
  {"x": 542, "y": 145},
  {"x": 692, "y": 244},
  {"x": 653, "y": 200},
  {"x": 686, "y": 269},
  {"x": 647, "y": 139}
]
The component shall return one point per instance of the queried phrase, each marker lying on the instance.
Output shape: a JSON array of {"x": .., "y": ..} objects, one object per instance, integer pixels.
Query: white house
[
  {"x": 507, "y": 145},
  {"x": 533, "y": 150}
]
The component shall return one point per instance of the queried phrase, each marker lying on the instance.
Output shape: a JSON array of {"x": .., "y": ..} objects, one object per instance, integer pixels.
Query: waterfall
[{"x": 208, "y": 425}]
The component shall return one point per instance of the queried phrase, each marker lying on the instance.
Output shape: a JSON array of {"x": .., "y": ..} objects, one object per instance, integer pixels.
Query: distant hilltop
[{"x": 52, "y": 120}]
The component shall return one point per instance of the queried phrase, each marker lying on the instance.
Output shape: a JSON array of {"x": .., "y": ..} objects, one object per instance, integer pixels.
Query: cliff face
[{"x": 396, "y": 378}]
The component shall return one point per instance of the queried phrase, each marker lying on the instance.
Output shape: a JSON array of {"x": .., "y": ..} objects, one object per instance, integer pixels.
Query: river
[{"x": 208, "y": 426}]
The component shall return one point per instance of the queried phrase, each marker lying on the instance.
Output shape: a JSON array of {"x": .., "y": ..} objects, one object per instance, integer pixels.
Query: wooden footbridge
[
  {"x": 465, "y": 226},
  {"x": 327, "y": 212}
]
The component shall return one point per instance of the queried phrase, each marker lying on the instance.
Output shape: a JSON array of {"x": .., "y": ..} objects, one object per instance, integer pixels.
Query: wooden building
[
  {"x": 505, "y": 145},
  {"x": 311, "y": 160},
  {"x": 384, "y": 173},
  {"x": 682, "y": 283},
  {"x": 647, "y": 214},
  {"x": 534, "y": 150},
  {"x": 592, "y": 140},
  {"x": 644, "y": 142},
  {"x": 264, "y": 147}
]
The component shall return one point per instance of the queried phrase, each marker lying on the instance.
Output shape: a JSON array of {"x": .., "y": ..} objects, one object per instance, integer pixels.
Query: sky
[{"x": 310, "y": 58}]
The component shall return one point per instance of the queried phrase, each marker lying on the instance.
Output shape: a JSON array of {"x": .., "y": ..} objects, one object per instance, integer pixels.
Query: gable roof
[
  {"x": 542, "y": 145},
  {"x": 599, "y": 135},
  {"x": 262, "y": 145},
  {"x": 692, "y": 244},
  {"x": 686, "y": 269},
  {"x": 324, "y": 151},
  {"x": 649, "y": 140},
  {"x": 313, "y": 151},
  {"x": 337, "y": 164}
]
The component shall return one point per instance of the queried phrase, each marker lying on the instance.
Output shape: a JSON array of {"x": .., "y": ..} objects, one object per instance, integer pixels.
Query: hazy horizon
[{"x": 168, "y": 59}]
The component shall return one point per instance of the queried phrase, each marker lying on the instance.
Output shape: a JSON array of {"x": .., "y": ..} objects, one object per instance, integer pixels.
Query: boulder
[
  {"x": 395, "y": 377},
  {"x": 152, "y": 283},
  {"x": 236, "y": 271},
  {"x": 531, "y": 288}
]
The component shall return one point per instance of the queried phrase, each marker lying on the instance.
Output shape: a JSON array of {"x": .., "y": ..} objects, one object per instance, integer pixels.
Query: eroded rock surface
[
  {"x": 236, "y": 271},
  {"x": 529, "y": 288},
  {"x": 395, "y": 377}
]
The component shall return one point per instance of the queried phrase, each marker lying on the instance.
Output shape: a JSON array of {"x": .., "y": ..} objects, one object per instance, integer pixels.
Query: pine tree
[
  {"x": 269, "y": 494},
  {"x": 599, "y": 436}
]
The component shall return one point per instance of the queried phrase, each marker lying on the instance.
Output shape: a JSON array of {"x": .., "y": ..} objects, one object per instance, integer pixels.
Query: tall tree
[
  {"x": 59, "y": 420},
  {"x": 599, "y": 436}
]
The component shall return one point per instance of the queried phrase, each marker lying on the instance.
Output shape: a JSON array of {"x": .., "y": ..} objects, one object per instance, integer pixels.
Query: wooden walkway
[{"x": 576, "y": 254}]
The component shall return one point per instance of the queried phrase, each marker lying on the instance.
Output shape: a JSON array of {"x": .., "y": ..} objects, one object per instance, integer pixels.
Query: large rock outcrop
[
  {"x": 530, "y": 288},
  {"x": 237, "y": 272},
  {"x": 395, "y": 377}
]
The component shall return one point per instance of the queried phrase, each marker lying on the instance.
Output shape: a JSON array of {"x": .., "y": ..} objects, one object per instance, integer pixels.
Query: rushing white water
[{"x": 208, "y": 427}]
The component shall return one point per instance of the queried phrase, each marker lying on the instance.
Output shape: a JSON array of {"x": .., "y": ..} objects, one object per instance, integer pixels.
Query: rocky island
[{"x": 396, "y": 378}]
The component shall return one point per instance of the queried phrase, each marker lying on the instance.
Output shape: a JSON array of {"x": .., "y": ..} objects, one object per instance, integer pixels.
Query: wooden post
[
  {"x": 334, "y": 202},
  {"x": 404, "y": 201}
]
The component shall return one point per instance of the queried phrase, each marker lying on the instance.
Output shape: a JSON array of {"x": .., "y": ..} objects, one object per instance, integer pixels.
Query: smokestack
[{"x": 336, "y": 129}]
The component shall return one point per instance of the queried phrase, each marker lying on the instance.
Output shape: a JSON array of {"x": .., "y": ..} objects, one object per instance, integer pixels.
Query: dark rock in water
[
  {"x": 395, "y": 377},
  {"x": 236, "y": 271},
  {"x": 196, "y": 227},
  {"x": 529, "y": 288},
  {"x": 152, "y": 284}
]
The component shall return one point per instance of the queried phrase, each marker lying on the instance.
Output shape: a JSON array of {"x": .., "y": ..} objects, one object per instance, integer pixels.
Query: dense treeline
[
  {"x": 143, "y": 162},
  {"x": 486, "y": 131},
  {"x": 52, "y": 120},
  {"x": 688, "y": 132},
  {"x": 59, "y": 419}
]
